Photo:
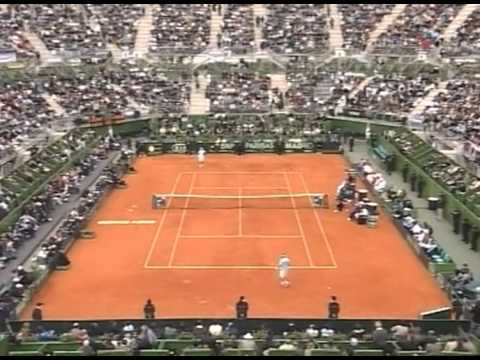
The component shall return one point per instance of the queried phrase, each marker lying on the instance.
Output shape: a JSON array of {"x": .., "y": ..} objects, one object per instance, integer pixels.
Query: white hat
[{"x": 248, "y": 336}]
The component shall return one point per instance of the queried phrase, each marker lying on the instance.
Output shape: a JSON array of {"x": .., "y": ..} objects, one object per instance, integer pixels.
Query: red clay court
[{"x": 195, "y": 257}]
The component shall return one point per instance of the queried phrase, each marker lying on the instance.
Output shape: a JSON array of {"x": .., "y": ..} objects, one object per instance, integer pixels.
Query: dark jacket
[
  {"x": 333, "y": 309},
  {"x": 37, "y": 314},
  {"x": 242, "y": 309},
  {"x": 149, "y": 310}
]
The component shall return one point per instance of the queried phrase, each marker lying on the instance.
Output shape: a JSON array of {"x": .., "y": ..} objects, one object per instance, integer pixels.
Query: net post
[
  {"x": 325, "y": 201},
  {"x": 158, "y": 201},
  {"x": 319, "y": 200}
]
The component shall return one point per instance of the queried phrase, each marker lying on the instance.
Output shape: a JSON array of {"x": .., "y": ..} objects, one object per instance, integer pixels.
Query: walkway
[
  {"x": 360, "y": 87},
  {"x": 451, "y": 30},
  {"x": 336, "y": 35},
  {"x": 54, "y": 105},
  {"x": 45, "y": 55},
  {"x": 424, "y": 102},
  {"x": 215, "y": 28},
  {"x": 259, "y": 10},
  {"x": 443, "y": 231},
  {"x": 144, "y": 32},
  {"x": 199, "y": 104},
  {"x": 384, "y": 24}
]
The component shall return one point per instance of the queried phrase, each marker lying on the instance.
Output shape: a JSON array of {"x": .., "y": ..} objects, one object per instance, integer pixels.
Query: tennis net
[{"x": 254, "y": 201}]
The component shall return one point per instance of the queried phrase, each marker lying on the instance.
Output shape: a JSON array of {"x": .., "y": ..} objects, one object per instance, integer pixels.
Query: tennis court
[{"x": 196, "y": 256}]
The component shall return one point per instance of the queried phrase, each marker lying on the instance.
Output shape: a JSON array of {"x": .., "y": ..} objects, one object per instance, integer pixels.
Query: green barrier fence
[{"x": 431, "y": 187}]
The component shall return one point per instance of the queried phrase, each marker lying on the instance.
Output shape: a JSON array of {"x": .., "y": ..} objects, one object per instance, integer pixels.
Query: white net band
[{"x": 261, "y": 201}]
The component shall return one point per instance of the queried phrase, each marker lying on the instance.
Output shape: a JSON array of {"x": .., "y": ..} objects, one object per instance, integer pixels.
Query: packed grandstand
[{"x": 388, "y": 95}]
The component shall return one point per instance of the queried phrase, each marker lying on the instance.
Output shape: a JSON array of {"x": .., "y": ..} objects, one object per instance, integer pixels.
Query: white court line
[
  {"x": 320, "y": 225},
  {"x": 126, "y": 222},
  {"x": 241, "y": 236},
  {"x": 160, "y": 225},
  {"x": 240, "y": 211},
  {"x": 299, "y": 223},
  {"x": 235, "y": 267},
  {"x": 243, "y": 172},
  {"x": 242, "y": 187},
  {"x": 182, "y": 219}
]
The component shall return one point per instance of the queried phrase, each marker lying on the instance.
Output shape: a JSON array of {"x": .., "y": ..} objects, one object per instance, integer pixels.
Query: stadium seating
[{"x": 122, "y": 89}]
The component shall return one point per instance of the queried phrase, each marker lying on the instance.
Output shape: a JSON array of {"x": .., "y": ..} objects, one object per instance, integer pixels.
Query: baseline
[{"x": 236, "y": 267}]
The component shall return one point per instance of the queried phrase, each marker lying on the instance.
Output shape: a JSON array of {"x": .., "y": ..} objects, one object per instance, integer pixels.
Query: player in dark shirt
[
  {"x": 242, "y": 308},
  {"x": 149, "y": 310},
  {"x": 333, "y": 308},
  {"x": 37, "y": 312}
]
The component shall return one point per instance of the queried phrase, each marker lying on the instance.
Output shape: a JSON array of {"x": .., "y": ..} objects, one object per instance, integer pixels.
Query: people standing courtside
[
  {"x": 351, "y": 143},
  {"x": 242, "y": 308},
  {"x": 149, "y": 310},
  {"x": 333, "y": 308},
  {"x": 37, "y": 312}
]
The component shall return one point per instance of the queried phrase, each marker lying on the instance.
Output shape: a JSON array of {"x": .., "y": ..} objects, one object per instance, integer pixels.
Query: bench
[
  {"x": 68, "y": 353},
  {"x": 25, "y": 353},
  {"x": 197, "y": 352},
  {"x": 154, "y": 352},
  {"x": 238, "y": 352}
]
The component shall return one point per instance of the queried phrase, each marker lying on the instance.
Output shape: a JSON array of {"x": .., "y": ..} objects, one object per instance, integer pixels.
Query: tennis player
[
  {"x": 283, "y": 267},
  {"x": 201, "y": 156}
]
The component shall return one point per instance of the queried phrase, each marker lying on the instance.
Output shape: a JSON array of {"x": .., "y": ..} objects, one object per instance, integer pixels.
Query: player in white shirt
[
  {"x": 201, "y": 156},
  {"x": 283, "y": 267}
]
